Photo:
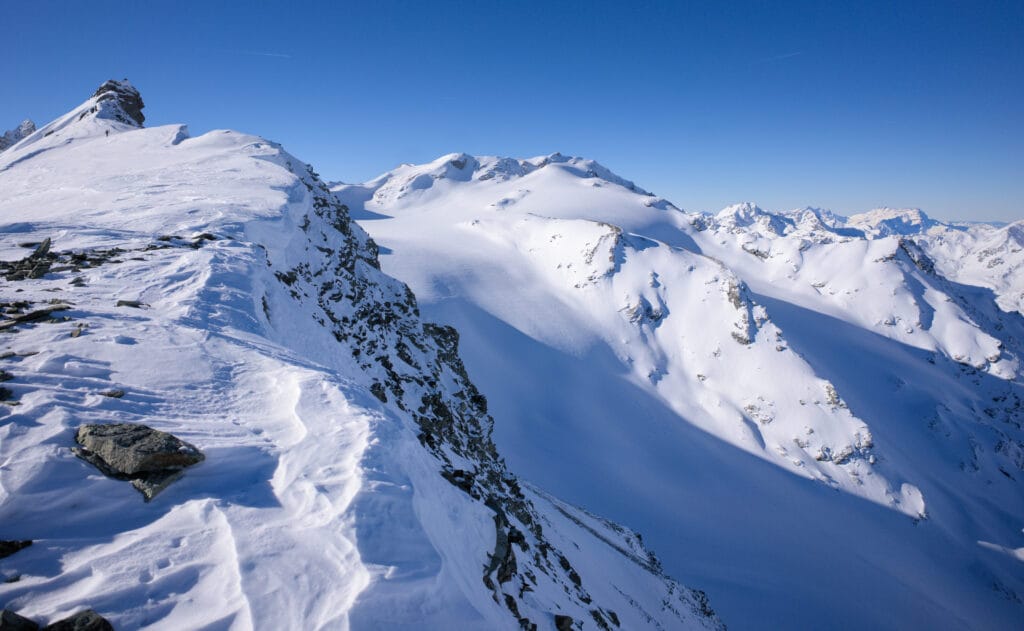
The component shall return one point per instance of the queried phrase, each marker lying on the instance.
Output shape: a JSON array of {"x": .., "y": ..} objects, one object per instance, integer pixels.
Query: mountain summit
[{"x": 120, "y": 101}]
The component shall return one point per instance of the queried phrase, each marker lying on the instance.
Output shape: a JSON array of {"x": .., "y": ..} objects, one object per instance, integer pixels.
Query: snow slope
[
  {"x": 350, "y": 480},
  {"x": 801, "y": 412},
  {"x": 982, "y": 255}
]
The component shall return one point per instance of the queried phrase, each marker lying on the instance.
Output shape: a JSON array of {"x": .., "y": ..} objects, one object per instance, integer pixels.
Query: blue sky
[{"x": 844, "y": 105}]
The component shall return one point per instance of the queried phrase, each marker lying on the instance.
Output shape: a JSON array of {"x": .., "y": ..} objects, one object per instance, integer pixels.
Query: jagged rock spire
[{"x": 126, "y": 100}]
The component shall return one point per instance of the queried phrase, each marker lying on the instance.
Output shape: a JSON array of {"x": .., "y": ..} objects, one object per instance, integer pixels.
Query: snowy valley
[{"x": 414, "y": 396}]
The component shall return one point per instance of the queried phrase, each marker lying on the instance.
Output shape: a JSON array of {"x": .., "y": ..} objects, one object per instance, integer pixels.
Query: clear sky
[{"x": 846, "y": 105}]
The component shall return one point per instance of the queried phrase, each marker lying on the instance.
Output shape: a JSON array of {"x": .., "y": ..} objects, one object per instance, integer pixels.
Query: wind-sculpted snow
[
  {"x": 215, "y": 289},
  {"x": 804, "y": 413}
]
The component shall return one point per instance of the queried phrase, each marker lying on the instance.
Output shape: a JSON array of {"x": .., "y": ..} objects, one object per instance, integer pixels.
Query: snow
[
  {"x": 884, "y": 222},
  {"x": 796, "y": 410},
  {"x": 317, "y": 505}
]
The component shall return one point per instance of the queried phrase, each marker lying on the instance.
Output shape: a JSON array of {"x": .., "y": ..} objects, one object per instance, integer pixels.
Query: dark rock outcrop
[
  {"x": 35, "y": 265},
  {"x": 149, "y": 458},
  {"x": 7, "y": 548},
  {"x": 10, "y": 621},
  {"x": 87, "y": 620},
  {"x": 125, "y": 99}
]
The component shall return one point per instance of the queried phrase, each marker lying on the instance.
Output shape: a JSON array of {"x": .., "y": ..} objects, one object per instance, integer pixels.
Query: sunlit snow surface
[
  {"x": 799, "y": 413},
  {"x": 316, "y": 506}
]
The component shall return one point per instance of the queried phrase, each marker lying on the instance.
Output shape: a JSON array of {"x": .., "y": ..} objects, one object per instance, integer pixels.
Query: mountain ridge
[{"x": 349, "y": 476}]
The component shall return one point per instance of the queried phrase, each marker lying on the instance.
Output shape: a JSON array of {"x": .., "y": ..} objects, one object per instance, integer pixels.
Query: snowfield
[
  {"x": 349, "y": 481},
  {"x": 817, "y": 419}
]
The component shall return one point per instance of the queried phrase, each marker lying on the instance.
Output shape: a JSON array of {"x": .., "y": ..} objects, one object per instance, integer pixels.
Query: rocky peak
[
  {"x": 745, "y": 211},
  {"x": 748, "y": 214},
  {"x": 120, "y": 101},
  {"x": 9, "y": 138}
]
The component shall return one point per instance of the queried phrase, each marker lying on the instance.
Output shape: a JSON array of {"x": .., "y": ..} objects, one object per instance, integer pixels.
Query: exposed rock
[
  {"x": 39, "y": 314},
  {"x": 416, "y": 368},
  {"x": 563, "y": 623},
  {"x": 130, "y": 448},
  {"x": 125, "y": 101},
  {"x": 10, "y": 621},
  {"x": 35, "y": 265},
  {"x": 12, "y": 137},
  {"x": 7, "y": 548},
  {"x": 41, "y": 250},
  {"x": 16, "y": 317},
  {"x": 917, "y": 255},
  {"x": 149, "y": 458},
  {"x": 87, "y": 620}
]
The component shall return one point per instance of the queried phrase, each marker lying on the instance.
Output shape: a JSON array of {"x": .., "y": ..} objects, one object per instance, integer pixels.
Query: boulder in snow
[
  {"x": 10, "y": 621},
  {"x": 149, "y": 458},
  {"x": 86, "y": 620}
]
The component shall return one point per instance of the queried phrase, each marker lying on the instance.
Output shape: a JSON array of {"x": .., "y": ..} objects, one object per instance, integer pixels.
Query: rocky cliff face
[{"x": 415, "y": 367}]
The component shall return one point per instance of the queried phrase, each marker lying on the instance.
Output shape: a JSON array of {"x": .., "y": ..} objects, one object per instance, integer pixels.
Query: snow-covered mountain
[
  {"x": 817, "y": 419},
  {"x": 981, "y": 254},
  {"x": 13, "y": 136},
  {"x": 213, "y": 288}
]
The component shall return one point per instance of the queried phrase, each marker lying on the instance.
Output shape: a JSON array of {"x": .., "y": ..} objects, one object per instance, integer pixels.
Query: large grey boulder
[{"x": 149, "y": 458}]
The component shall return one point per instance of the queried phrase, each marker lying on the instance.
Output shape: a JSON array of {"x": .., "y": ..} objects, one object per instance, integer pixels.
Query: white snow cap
[{"x": 892, "y": 221}]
